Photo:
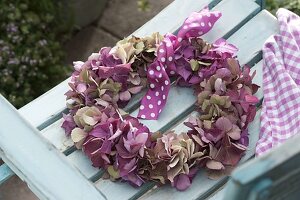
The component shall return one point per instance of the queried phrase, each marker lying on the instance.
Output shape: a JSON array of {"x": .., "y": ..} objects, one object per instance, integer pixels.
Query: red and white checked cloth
[{"x": 280, "y": 117}]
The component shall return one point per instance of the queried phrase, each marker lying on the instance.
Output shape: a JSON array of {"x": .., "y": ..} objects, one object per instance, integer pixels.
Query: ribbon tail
[
  {"x": 198, "y": 23},
  {"x": 155, "y": 99}
]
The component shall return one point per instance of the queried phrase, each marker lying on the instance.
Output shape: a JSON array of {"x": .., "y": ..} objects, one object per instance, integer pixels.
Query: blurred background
[{"x": 39, "y": 40}]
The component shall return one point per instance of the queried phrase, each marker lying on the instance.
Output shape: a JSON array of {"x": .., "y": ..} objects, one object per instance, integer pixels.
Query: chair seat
[{"x": 243, "y": 23}]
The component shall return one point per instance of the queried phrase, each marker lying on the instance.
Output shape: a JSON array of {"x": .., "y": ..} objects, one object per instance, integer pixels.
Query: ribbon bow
[{"x": 164, "y": 66}]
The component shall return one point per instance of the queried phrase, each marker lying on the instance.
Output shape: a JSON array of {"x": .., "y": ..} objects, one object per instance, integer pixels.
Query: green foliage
[
  {"x": 143, "y": 5},
  {"x": 31, "y": 55},
  {"x": 292, "y": 5}
]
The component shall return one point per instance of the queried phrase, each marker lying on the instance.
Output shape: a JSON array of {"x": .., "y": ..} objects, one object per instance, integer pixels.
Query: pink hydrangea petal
[
  {"x": 182, "y": 182},
  {"x": 81, "y": 87},
  {"x": 224, "y": 124}
]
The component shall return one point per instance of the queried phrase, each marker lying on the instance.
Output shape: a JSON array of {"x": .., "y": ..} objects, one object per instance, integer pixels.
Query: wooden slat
[
  {"x": 47, "y": 172},
  {"x": 164, "y": 21},
  {"x": 78, "y": 159},
  {"x": 234, "y": 15},
  {"x": 5, "y": 173},
  {"x": 254, "y": 33},
  {"x": 43, "y": 110},
  {"x": 218, "y": 195}
]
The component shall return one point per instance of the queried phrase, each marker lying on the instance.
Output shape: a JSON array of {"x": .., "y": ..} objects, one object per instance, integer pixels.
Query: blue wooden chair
[{"x": 52, "y": 167}]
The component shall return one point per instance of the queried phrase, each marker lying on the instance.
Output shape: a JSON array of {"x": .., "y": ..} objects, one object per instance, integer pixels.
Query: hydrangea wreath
[{"x": 118, "y": 143}]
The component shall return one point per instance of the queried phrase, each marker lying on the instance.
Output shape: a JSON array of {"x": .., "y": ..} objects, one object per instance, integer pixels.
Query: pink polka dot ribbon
[
  {"x": 158, "y": 73},
  {"x": 156, "y": 97},
  {"x": 197, "y": 24}
]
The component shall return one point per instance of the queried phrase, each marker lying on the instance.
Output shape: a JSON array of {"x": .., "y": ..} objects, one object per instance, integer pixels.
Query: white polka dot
[
  {"x": 172, "y": 72},
  {"x": 194, "y": 25},
  {"x": 159, "y": 111},
  {"x": 160, "y": 75},
  {"x": 161, "y": 50},
  {"x": 148, "y": 97},
  {"x": 166, "y": 82},
  {"x": 150, "y": 106},
  {"x": 208, "y": 15},
  {"x": 143, "y": 116},
  {"x": 170, "y": 58},
  {"x": 152, "y": 85},
  {"x": 158, "y": 103},
  {"x": 163, "y": 59},
  {"x": 179, "y": 39},
  {"x": 151, "y": 72},
  {"x": 202, "y": 24},
  {"x": 217, "y": 14},
  {"x": 169, "y": 44},
  {"x": 162, "y": 88},
  {"x": 185, "y": 27},
  {"x": 156, "y": 94},
  {"x": 152, "y": 114},
  {"x": 209, "y": 24},
  {"x": 200, "y": 32},
  {"x": 142, "y": 107},
  {"x": 158, "y": 68},
  {"x": 164, "y": 96}
]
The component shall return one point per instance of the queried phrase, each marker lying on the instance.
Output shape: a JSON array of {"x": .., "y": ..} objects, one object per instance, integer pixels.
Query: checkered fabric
[{"x": 280, "y": 118}]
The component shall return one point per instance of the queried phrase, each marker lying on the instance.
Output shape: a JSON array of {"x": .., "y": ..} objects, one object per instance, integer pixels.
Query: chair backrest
[{"x": 275, "y": 175}]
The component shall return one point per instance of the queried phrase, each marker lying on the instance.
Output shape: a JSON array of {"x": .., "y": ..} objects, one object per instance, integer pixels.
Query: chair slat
[
  {"x": 172, "y": 17},
  {"x": 262, "y": 26},
  {"x": 5, "y": 173},
  {"x": 229, "y": 22}
]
